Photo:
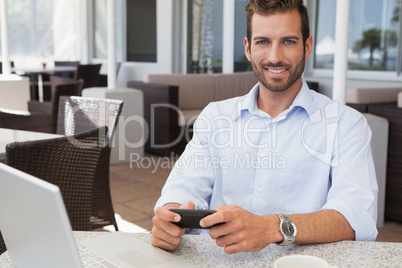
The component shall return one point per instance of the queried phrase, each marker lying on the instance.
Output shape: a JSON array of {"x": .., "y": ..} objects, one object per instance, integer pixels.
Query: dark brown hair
[{"x": 269, "y": 7}]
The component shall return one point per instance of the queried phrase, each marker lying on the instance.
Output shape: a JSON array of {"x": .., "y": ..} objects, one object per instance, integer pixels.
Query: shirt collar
[
  {"x": 304, "y": 99},
  {"x": 249, "y": 103}
]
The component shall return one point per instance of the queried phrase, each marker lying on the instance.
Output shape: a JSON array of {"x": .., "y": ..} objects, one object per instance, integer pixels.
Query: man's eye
[
  {"x": 289, "y": 42},
  {"x": 262, "y": 42}
]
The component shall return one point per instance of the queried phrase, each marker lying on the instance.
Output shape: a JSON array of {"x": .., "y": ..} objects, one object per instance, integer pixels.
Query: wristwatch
[{"x": 288, "y": 230}]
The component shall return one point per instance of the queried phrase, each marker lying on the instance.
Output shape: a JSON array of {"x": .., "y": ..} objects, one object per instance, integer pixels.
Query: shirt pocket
[{"x": 302, "y": 188}]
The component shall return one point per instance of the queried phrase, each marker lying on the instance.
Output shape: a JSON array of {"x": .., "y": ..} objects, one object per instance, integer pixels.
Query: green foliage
[
  {"x": 216, "y": 61},
  {"x": 372, "y": 39},
  {"x": 367, "y": 68},
  {"x": 243, "y": 59}
]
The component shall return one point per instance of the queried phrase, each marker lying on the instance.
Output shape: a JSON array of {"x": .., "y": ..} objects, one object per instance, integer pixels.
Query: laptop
[{"x": 37, "y": 231}]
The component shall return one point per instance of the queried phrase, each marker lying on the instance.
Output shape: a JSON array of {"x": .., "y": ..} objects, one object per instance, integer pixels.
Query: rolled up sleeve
[{"x": 354, "y": 189}]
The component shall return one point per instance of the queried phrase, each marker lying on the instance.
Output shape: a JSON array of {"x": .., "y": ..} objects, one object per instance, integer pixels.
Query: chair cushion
[
  {"x": 233, "y": 85},
  {"x": 188, "y": 117},
  {"x": 400, "y": 99},
  {"x": 372, "y": 95},
  {"x": 40, "y": 107},
  {"x": 379, "y": 144},
  {"x": 195, "y": 90}
]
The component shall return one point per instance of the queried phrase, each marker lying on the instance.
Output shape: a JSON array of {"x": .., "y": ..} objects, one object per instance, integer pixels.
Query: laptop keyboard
[{"x": 91, "y": 259}]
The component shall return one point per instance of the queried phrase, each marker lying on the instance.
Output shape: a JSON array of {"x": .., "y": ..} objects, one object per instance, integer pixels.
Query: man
[{"x": 280, "y": 156}]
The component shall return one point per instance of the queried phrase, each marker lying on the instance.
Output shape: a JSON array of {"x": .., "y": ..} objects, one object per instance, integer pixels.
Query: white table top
[
  {"x": 10, "y": 135},
  {"x": 47, "y": 70},
  {"x": 202, "y": 251}
]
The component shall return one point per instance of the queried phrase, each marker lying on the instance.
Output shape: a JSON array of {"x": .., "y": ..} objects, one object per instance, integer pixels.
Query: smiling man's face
[{"x": 276, "y": 50}]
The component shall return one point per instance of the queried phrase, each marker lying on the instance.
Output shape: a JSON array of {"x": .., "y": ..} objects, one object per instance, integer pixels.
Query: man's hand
[
  {"x": 242, "y": 231},
  {"x": 166, "y": 234}
]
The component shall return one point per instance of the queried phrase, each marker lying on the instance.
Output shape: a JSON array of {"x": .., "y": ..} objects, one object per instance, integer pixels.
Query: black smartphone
[{"x": 190, "y": 218}]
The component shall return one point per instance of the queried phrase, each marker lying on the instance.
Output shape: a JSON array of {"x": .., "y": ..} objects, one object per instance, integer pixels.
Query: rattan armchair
[
  {"x": 393, "y": 194},
  {"x": 66, "y": 63},
  {"x": 87, "y": 72},
  {"x": 23, "y": 120},
  {"x": 69, "y": 88},
  {"x": 3, "y": 247},
  {"x": 70, "y": 162},
  {"x": 79, "y": 114}
]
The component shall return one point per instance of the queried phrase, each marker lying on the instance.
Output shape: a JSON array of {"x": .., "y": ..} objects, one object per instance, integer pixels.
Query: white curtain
[
  {"x": 207, "y": 35},
  {"x": 202, "y": 26},
  {"x": 66, "y": 30}
]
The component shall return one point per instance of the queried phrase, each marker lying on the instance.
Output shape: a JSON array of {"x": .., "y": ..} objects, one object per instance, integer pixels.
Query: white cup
[{"x": 300, "y": 261}]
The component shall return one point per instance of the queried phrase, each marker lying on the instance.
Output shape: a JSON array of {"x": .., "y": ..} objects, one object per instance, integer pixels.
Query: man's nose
[{"x": 275, "y": 53}]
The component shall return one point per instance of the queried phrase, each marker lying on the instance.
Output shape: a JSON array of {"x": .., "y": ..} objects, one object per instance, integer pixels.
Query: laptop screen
[{"x": 34, "y": 222}]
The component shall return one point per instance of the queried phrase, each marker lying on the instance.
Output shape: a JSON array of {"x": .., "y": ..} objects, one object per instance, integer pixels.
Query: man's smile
[{"x": 276, "y": 71}]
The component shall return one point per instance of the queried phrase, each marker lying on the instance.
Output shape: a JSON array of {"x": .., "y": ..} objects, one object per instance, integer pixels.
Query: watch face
[{"x": 288, "y": 229}]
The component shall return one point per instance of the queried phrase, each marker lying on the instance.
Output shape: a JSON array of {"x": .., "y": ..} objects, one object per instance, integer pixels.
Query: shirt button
[{"x": 259, "y": 189}]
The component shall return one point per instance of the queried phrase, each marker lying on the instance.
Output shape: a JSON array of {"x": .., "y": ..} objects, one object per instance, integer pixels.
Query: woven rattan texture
[
  {"x": 71, "y": 163},
  {"x": 2, "y": 245},
  {"x": 79, "y": 114},
  {"x": 393, "y": 196},
  {"x": 89, "y": 73}
]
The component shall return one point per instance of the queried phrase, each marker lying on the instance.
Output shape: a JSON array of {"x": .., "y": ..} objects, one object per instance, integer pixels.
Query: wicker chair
[
  {"x": 3, "y": 247},
  {"x": 66, "y": 63},
  {"x": 71, "y": 162},
  {"x": 393, "y": 195},
  {"x": 69, "y": 88},
  {"x": 23, "y": 120},
  {"x": 102, "y": 79},
  {"x": 87, "y": 72},
  {"x": 79, "y": 114}
]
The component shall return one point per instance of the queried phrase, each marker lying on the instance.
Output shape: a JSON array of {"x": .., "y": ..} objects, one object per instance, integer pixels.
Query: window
[
  {"x": 241, "y": 63},
  {"x": 30, "y": 31},
  {"x": 205, "y": 36},
  {"x": 373, "y": 35},
  {"x": 141, "y": 30},
  {"x": 140, "y": 35},
  {"x": 100, "y": 29}
]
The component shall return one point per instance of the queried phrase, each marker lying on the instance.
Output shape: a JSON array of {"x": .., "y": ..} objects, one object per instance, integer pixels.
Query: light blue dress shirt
[{"x": 315, "y": 155}]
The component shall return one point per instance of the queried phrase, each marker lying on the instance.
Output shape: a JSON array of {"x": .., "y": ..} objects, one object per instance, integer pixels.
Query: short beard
[{"x": 274, "y": 87}]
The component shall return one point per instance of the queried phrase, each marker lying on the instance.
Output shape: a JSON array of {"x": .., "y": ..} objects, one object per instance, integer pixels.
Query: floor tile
[{"x": 145, "y": 205}]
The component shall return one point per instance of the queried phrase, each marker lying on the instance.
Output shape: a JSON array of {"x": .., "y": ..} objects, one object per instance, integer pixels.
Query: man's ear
[
  {"x": 309, "y": 46},
  {"x": 247, "y": 49}
]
